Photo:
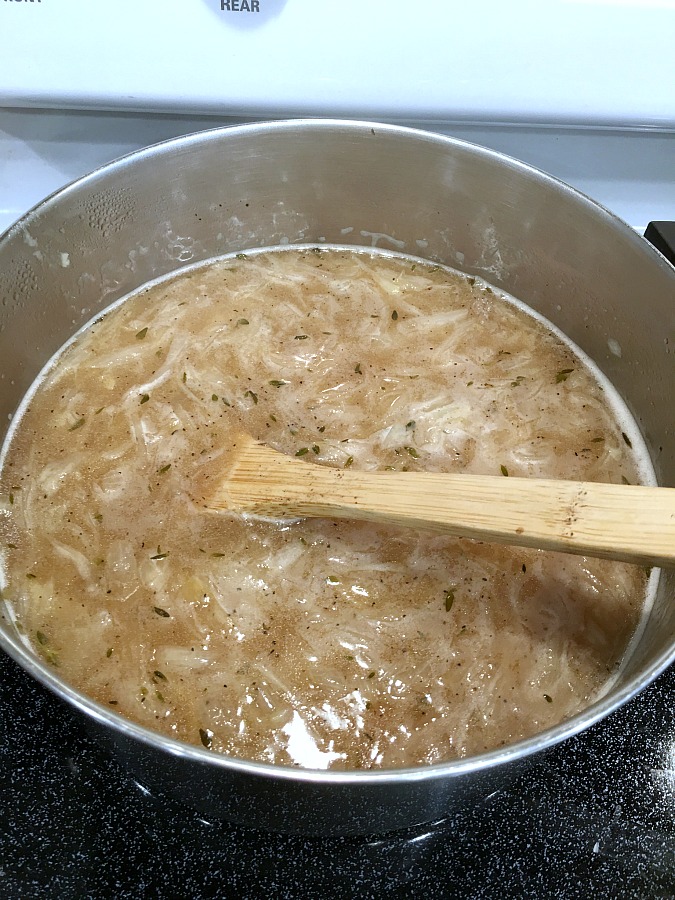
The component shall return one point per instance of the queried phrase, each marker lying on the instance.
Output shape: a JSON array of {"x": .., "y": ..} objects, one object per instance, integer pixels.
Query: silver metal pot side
[{"x": 362, "y": 184}]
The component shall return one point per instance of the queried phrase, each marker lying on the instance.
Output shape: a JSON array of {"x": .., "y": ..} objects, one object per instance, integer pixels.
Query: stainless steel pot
[{"x": 362, "y": 184}]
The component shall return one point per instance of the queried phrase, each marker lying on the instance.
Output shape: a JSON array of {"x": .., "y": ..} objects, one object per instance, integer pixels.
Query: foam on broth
[{"x": 313, "y": 643}]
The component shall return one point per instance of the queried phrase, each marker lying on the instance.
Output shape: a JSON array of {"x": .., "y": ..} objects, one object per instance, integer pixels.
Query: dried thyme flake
[
  {"x": 410, "y": 425},
  {"x": 548, "y": 698},
  {"x": 504, "y": 471},
  {"x": 30, "y": 575},
  {"x": 160, "y": 697},
  {"x": 242, "y": 322},
  {"x": 277, "y": 382},
  {"x": 206, "y": 736},
  {"x": 301, "y": 337},
  {"x": 371, "y": 674},
  {"x": 109, "y": 652},
  {"x": 627, "y": 440},
  {"x": 184, "y": 377},
  {"x": 253, "y": 396},
  {"x": 214, "y": 397},
  {"x": 78, "y": 424},
  {"x": 302, "y": 451},
  {"x": 159, "y": 675},
  {"x": 412, "y": 452},
  {"x": 11, "y": 546},
  {"x": 161, "y": 612},
  {"x": 164, "y": 469},
  {"x": 240, "y": 256},
  {"x": 42, "y": 637},
  {"x": 331, "y": 579},
  {"x": 624, "y": 480},
  {"x": 597, "y": 440},
  {"x": 394, "y": 315},
  {"x": 145, "y": 398},
  {"x": 316, "y": 449},
  {"x": 98, "y": 517},
  {"x": 563, "y": 375},
  {"x": 357, "y": 369},
  {"x": 142, "y": 333},
  {"x": 348, "y": 462},
  {"x": 159, "y": 556},
  {"x": 449, "y": 597},
  {"x": 218, "y": 555}
]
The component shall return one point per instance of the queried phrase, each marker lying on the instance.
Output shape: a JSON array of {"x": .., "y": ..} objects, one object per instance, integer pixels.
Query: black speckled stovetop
[{"x": 594, "y": 818}]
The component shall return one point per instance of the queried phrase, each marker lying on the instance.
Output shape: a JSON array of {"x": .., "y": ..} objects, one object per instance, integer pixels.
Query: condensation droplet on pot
[
  {"x": 614, "y": 347},
  {"x": 422, "y": 244},
  {"x": 65, "y": 260},
  {"x": 347, "y": 230}
]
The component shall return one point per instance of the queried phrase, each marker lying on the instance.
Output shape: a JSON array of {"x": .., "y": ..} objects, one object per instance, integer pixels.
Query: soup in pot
[{"x": 314, "y": 643}]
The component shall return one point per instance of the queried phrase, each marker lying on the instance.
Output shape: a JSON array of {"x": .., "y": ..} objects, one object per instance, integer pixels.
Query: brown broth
[{"x": 313, "y": 643}]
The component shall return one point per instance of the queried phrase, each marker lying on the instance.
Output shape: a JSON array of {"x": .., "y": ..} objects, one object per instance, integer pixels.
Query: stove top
[{"x": 594, "y": 816}]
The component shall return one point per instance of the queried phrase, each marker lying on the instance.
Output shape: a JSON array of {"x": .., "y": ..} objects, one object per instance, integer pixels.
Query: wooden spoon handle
[{"x": 625, "y": 522}]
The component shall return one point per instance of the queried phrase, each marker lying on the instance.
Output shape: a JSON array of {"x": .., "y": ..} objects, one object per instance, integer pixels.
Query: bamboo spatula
[{"x": 626, "y": 522}]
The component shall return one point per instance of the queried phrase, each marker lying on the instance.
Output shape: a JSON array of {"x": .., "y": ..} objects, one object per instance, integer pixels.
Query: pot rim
[{"x": 34, "y": 666}]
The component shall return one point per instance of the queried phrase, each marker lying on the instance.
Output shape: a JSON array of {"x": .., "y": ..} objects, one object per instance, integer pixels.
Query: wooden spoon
[{"x": 632, "y": 523}]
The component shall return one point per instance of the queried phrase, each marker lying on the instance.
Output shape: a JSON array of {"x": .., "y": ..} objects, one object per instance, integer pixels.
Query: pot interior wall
[{"x": 241, "y": 188}]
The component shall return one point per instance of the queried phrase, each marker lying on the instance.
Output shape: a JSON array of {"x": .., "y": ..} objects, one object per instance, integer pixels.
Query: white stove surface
[{"x": 631, "y": 172}]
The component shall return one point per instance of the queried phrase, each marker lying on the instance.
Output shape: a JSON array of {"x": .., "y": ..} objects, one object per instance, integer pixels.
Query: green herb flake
[
  {"x": 145, "y": 398},
  {"x": 357, "y": 369},
  {"x": 504, "y": 471},
  {"x": 349, "y": 657},
  {"x": 563, "y": 375},
  {"x": 160, "y": 675},
  {"x": 331, "y": 579},
  {"x": 78, "y": 424},
  {"x": 109, "y": 652},
  {"x": 276, "y": 382},
  {"x": 301, "y": 337},
  {"x": 548, "y": 698},
  {"x": 42, "y": 637},
  {"x": 206, "y": 737},
  {"x": 142, "y": 333},
  {"x": 99, "y": 410},
  {"x": 242, "y": 322},
  {"x": 214, "y": 397},
  {"x": 99, "y": 561},
  {"x": 159, "y": 556},
  {"x": 303, "y": 451},
  {"x": 449, "y": 597},
  {"x": 626, "y": 439},
  {"x": 184, "y": 377},
  {"x": 410, "y": 425},
  {"x": 394, "y": 315},
  {"x": 273, "y": 418},
  {"x": 11, "y": 546},
  {"x": 30, "y": 575},
  {"x": 316, "y": 449},
  {"x": 348, "y": 462},
  {"x": 624, "y": 480},
  {"x": 241, "y": 256},
  {"x": 11, "y": 499},
  {"x": 160, "y": 697},
  {"x": 371, "y": 674},
  {"x": 597, "y": 440},
  {"x": 161, "y": 612},
  {"x": 98, "y": 517},
  {"x": 164, "y": 469},
  {"x": 253, "y": 396},
  {"x": 321, "y": 429},
  {"x": 412, "y": 452},
  {"x": 218, "y": 555}
]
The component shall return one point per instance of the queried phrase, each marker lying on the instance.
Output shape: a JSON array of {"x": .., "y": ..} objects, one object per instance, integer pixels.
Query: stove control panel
[{"x": 561, "y": 62}]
